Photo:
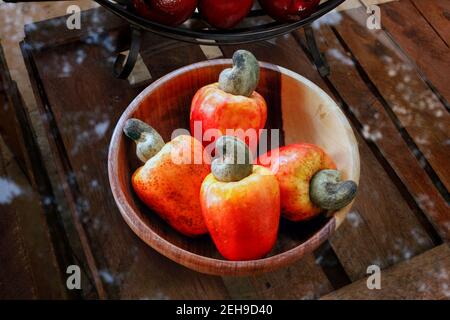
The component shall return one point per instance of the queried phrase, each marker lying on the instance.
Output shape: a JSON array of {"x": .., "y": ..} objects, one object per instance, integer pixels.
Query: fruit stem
[{"x": 148, "y": 141}]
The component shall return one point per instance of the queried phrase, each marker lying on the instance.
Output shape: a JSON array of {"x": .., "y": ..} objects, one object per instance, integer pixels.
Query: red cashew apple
[
  {"x": 289, "y": 10},
  {"x": 224, "y": 14},
  {"x": 308, "y": 179},
  {"x": 167, "y": 185},
  {"x": 240, "y": 203},
  {"x": 232, "y": 103},
  {"x": 168, "y": 12}
]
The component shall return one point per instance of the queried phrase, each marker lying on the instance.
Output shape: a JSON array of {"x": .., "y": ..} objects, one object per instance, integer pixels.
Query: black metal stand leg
[
  {"x": 125, "y": 64},
  {"x": 319, "y": 59}
]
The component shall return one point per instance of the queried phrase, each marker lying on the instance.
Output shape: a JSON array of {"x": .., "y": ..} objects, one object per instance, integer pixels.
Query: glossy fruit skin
[
  {"x": 224, "y": 14},
  {"x": 167, "y": 12},
  {"x": 294, "y": 166},
  {"x": 216, "y": 109},
  {"x": 242, "y": 217},
  {"x": 289, "y": 10},
  {"x": 172, "y": 190}
]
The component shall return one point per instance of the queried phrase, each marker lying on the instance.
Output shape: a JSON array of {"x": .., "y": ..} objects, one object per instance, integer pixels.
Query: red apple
[
  {"x": 289, "y": 10},
  {"x": 224, "y": 14},
  {"x": 168, "y": 12}
]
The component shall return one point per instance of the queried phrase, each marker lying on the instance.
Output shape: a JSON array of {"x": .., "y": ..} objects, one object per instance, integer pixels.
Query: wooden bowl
[{"x": 298, "y": 107}]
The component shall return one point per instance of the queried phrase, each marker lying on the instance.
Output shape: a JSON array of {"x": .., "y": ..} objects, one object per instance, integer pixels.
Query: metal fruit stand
[{"x": 195, "y": 31}]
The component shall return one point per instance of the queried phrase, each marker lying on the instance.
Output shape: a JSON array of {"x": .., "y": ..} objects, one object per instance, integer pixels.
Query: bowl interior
[{"x": 299, "y": 109}]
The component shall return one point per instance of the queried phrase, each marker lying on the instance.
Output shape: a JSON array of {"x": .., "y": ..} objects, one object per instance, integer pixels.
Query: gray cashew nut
[
  {"x": 148, "y": 141},
  {"x": 233, "y": 160},
  {"x": 328, "y": 192},
  {"x": 242, "y": 79}
]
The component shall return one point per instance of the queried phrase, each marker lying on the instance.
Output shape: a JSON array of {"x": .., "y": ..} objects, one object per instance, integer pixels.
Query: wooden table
[{"x": 392, "y": 84}]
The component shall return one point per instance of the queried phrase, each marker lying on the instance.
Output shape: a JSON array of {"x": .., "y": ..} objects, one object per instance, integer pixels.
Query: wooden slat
[
  {"x": 410, "y": 99},
  {"x": 423, "y": 277},
  {"x": 8, "y": 121},
  {"x": 379, "y": 129},
  {"x": 17, "y": 273},
  {"x": 20, "y": 139},
  {"x": 437, "y": 14},
  {"x": 408, "y": 27},
  {"x": 379, "y": 205},
  {"x": 29, "y": 268}
]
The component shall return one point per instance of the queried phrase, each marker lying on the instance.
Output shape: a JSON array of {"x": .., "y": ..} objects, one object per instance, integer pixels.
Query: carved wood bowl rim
[{"x": 198, "y": 262}]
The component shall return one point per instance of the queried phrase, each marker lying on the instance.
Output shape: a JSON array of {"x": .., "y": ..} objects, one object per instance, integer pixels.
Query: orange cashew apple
[
  {"x": 167, "y": 185},
  {"x": 308, "y": 179}
]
